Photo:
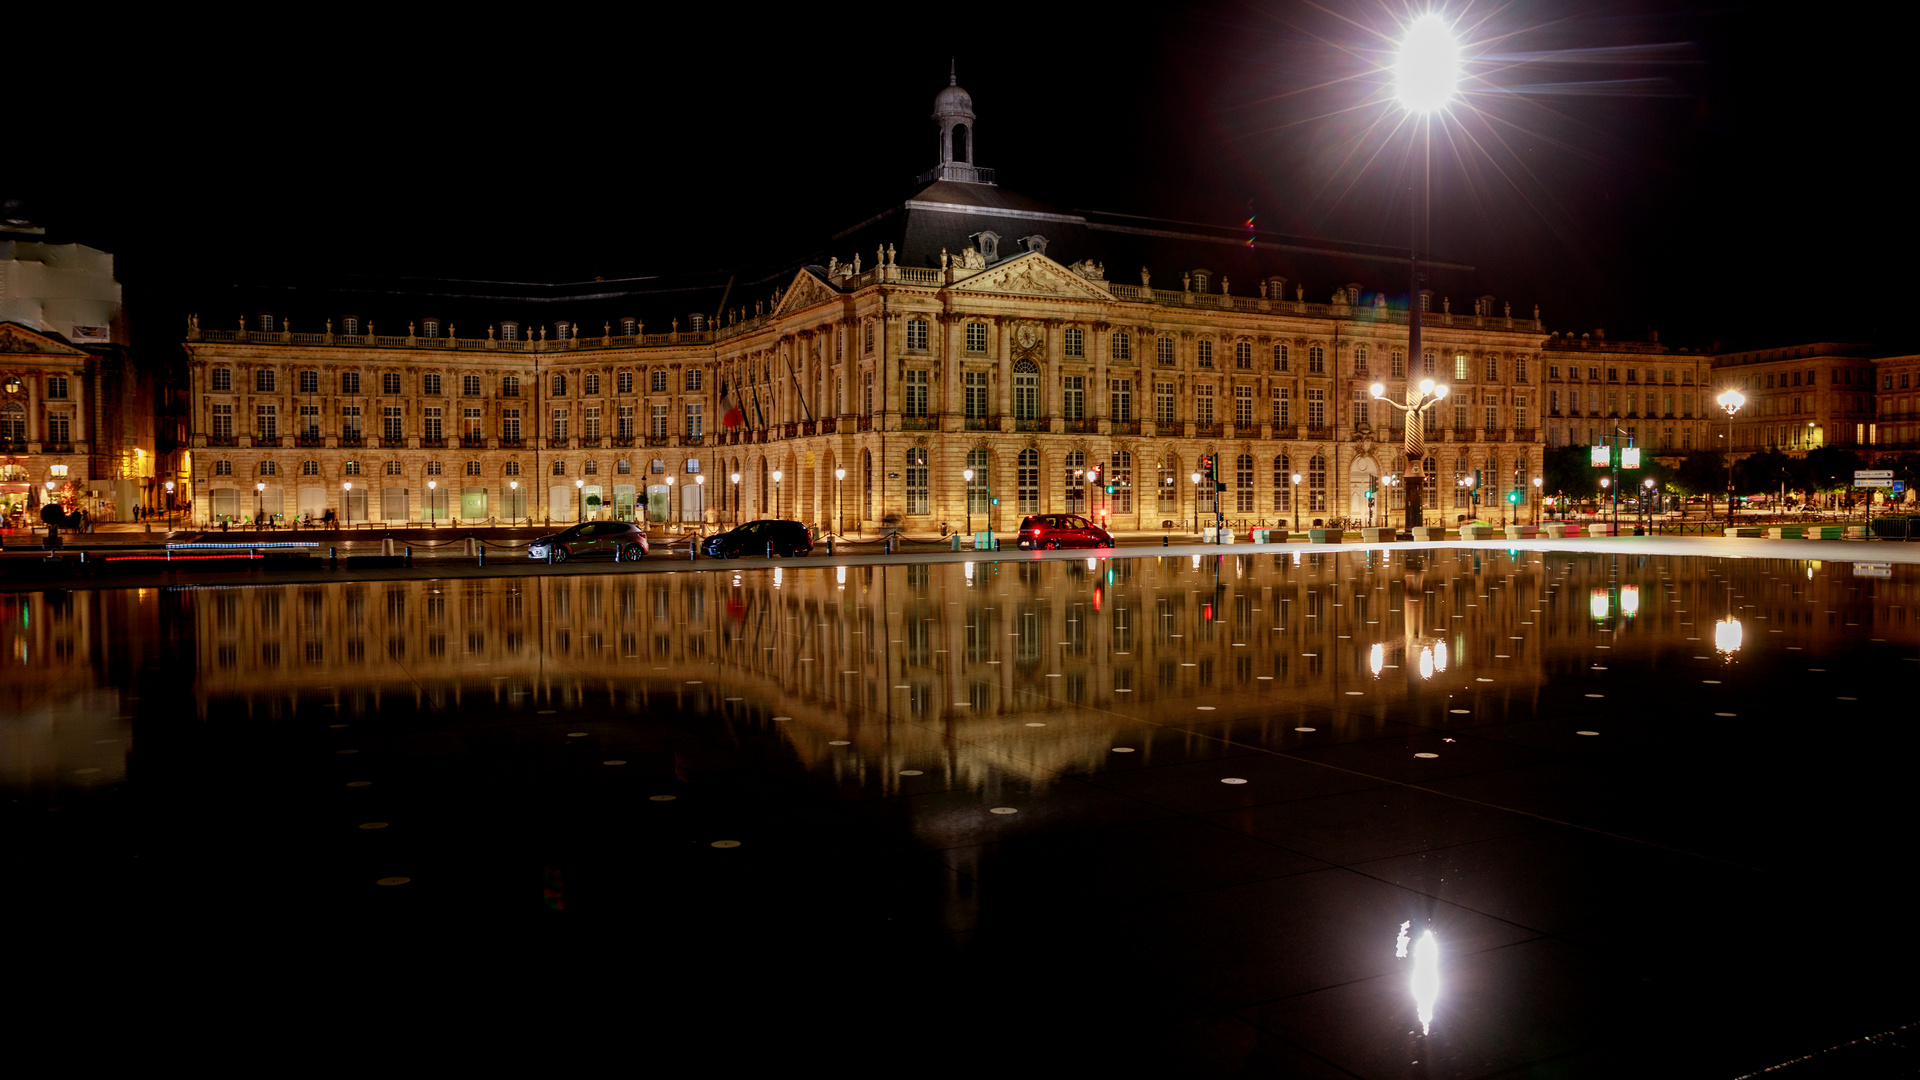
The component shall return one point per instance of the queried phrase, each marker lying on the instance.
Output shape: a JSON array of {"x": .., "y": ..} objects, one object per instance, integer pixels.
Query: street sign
[
  {"x": 1873, "y": 569},
  {"x": 1873, "y": 478}
]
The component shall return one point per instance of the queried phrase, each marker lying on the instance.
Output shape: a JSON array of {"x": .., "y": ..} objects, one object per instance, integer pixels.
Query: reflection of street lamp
[
  {"x": 1731, "y": 401},
  {"x": 839, "y": 509},
  {"x": 967, "y": 493},
  {"x": 1196, "y": 502},
  {"x": 736, "y": 498},
  {"x": 1420, "y": 397}
]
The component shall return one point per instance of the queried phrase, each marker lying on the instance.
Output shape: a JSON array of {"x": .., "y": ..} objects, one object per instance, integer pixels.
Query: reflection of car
[
  {"x": 607, "y": 539},
  {"x": 787, "y": 538},
  {"x": 1062, "y": 531}
]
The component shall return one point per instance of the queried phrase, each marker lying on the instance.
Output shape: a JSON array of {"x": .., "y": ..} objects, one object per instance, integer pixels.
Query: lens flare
[
  {"x": 1426, "y": 978},
  {"x": 1440, "y": 657},
  {"x": 1427, "y": 68},
  {"x": 1426, "y": 663}
]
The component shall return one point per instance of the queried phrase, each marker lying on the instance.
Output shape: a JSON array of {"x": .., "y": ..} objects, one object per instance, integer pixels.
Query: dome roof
[{"x": 953, "y": 101}]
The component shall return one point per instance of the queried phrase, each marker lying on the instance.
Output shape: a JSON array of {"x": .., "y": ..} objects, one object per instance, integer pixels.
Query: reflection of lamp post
[
  {"x": 736, "y": 498},
  {"x": 1196, "y": 502},
  {"x": 1420, "y": 397},
  {"x": 967, "y": 493},
  {"x": 259, "y": 499},
  {"x": 513, "y": 499},
  {"x": 169, "y": 506},
  {"x": 776, "y": 493},
  {"x": 839, "y": 509},
  {"x": 1731, "y": 401},
  {"x": 580, "y": 491},
  {"x": 346, "y": 502}
]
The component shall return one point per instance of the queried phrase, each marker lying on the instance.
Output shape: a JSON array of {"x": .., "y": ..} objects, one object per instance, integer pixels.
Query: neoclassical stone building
[{"x": 1053, "y": 353}]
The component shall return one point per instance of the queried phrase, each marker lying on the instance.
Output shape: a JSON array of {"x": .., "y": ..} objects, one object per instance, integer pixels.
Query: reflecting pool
[{"x": 1182, "y": 806}]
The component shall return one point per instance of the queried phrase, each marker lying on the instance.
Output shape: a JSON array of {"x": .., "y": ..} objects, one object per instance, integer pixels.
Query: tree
[
  {"x": 1765, "y": 473},
  {"x": 1565, "y": 470},
  {"x": 1702, "y": 472},
  {"x": 1830, "y": 467}
]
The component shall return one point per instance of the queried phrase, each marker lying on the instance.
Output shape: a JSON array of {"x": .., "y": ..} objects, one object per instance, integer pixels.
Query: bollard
[
  {"x": 956, "y": 541},
  {"x": 333, "y": 558},
  {"x": 470, "y": 542},
  {"x": 829, "y": 545},
  {"x": 693, "y": 552},
  {"x": 1163, "y": 539},
  {"x": 386, "y": 547},
  {"x": 409, "y": 556},
  {"x": 769, "y": 549},
  {"x": 483, "y": 554}
]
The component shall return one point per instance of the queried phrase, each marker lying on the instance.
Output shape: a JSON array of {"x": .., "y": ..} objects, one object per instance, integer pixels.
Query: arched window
[
  {"x": 1283, "y": 484},
  {"x": 559, "y": 468},
  {"x": 623, "y": 466},
  {"x": 919, "y": 499},
  {"x": 1074, "y": 470},
  {"x": 1026, "y": 390},
  {"x": 978, "y": 499},
  {"x": 1028, "y": 482},
  {"x": 512, "y": 468},
  {"x": 1316, "y": 483},
  {"x": 1243, "y": 484},
  {"x": 1121, "y": 477},
  {"x": 13, "y": 422},
  {"x": 959, "y": 150},
  {"x": 866, "y": 479},
  {"x": 223, "y": 468},
  {"x": 1166, "y": 488}
]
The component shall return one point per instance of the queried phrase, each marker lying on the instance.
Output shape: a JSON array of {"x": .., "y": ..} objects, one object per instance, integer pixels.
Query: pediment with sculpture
[
  {"x": 17, "y": 340},
  {"x": 1033, "y": 274},
  {"x": 805, "y": 292}
]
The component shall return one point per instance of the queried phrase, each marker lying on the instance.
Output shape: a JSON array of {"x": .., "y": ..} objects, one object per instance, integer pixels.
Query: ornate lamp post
[
  {"x": 1537, "y": 481},
  {"x": 1647, "y": 499},
  {"x": 673, "y": 508},
  {"x": 513, "y": 499},
  {"x": 700, "y": 485},
  {"x": 1421, "y": 396},
  {"x": 967, "y": 494},
  {"x": 776, "y": 493},
  {"x": 1294, "y": 501},
  {"x": 1196, "y": 502},
  {"x": 736, "y": 498},
  {"x": 1731, "y": 401},
  {"x": 839, "y": 508},
  {"x": 580, "y": 492},
  {"x": 169, "y": 506},
  {"x": 432, "y": 486},
  {"x": 346, "y": 503}
]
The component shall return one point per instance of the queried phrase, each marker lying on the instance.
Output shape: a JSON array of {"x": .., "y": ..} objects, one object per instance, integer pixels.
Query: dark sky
[{"x": 1728, "y": 173}]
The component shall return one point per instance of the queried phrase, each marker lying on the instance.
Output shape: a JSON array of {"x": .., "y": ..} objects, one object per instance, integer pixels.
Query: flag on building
[{"x": 731, "y": 414}]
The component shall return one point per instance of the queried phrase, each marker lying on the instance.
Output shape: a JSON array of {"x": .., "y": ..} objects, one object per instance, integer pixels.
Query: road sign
[{"x": 1873, "y": 478}]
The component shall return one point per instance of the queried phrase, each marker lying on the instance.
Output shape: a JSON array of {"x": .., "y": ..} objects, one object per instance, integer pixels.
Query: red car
[{"x": 1050, "y": 531}]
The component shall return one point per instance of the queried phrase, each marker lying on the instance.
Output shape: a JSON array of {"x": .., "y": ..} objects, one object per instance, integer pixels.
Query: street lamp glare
[
  {"x": 1732, "y": 400},
  {"x": 839, "y": 474},
  {"x": 1426, "y": 386},
  {"x": 1196, "y": 478},
  {"x": 1426, "y": 70},
  {"x": 1378, "y": 390},
  {"x": 1439, "y": 392},
  {"x": 967, "y": 474}
]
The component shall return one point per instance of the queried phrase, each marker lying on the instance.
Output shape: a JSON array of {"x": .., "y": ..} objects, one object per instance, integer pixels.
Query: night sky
[{"x": 1718, "y": 174}]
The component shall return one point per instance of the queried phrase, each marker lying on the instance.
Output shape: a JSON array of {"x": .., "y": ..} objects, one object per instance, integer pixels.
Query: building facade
[
  {"x": 1641, "y": 392},
  {"x": 46, "y": 434},
  {"x": 1800, "y": 397},
  {"x": 984, "y": 334}
]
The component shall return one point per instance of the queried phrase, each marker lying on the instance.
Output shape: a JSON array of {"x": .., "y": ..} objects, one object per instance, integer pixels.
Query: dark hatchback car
[
  {"x": 787, "y": 538},
  {"x": 603, "y": 539},
  {"x": 1051, "y": 531}
]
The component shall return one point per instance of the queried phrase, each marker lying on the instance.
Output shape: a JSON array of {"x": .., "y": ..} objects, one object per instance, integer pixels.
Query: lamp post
[
  {"x": 432, "y": 486},
  {"x": 169, "y": 506},
  {"x": 1093, "y": 489},
  {"x": 346, "y": 503},
  {"x": 259, "y": 499},
  {"x": 1731, "y": 401},
  {"x": 1606, "y": 487},
  {"x": 673, "y": 508},
  {"x": 580, "y": 492},
  {"x": 1426, "y": 72},
  {"x": 1537, "y": 481},
  {"x": 839, "y": 508},
  {"x": 513, "y": 498},
  {"x": 967, "y": 494},
  {"x": 1294, "y": 500},
  {"x": 700, "y": 485},
  {"x": 776, "y": 493},
  {"x": 1196, "y": 503},
  {"x": 1421, "y": 396},
  {"x": 736, "y": 498}
]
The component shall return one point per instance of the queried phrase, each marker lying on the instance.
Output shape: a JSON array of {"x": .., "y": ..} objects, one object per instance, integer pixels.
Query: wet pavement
[{"x": 1157, "y": 813}]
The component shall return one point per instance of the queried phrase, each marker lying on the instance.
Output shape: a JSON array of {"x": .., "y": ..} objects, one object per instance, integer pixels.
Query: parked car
[
  {"x": 787, "y": 538},
  {"x": 606, "y": 539},
  {"x": 1051, "y": 531}
]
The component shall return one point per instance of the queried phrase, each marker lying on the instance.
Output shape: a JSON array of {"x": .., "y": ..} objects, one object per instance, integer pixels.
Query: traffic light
[
  {"x": 1369, "y": 494},
  {"x": 1513, "y": 497},
  {"x": 1109, "y": 489},
  {"x": 1206, "y": 464}
]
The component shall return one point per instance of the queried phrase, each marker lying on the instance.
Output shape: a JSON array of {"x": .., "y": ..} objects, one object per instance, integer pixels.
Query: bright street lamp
[
  {"x": 967, "y": 494},
  {"x": 1537, "y": 482},
  {"x": 346, "y": 505},
  {"x": 776, "y": 493},
  {"x": 839, "y": 511},
  {"x": 259, "y": 499},
  {"x": 432, "y": 485},
  {"x": 169, "y": 506},
  {"x": 700, "y": 485},
  {"x": 1731, "y": 401},
  {"x": 736, "y": 498},
  {"x": 580, "y": 490},
  {"x": 1426, "y": 70},
  {"x": 1196, "y": 502},
  {"x": 671, "y": 508},
  {"x": 513, "y": 500}
]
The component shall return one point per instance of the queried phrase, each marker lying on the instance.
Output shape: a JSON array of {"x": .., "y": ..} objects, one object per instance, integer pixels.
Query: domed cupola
[{"x": 953, "y": 115}]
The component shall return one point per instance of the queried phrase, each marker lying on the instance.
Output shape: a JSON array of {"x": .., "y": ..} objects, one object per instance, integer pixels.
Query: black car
[
  {"x": 787, "y": 538},
  {"x": 607, "y": 539}
]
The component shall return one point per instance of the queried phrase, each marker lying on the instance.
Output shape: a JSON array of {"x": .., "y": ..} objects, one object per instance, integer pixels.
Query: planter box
[
  {"x": 1600, "y": 529},
  {"x": 1476, "y": 532},
  {"x": 1325, "y": 536},
  {"x": 1270, "y": 536},
  {"x": 1431, "y": 533},
  {"x": 1554, "y": 530},
  {"x": 1213, "y": 534},
  {"x": 1823, "y": 532},
  {"x": 1377, "y": 536},
  {"x": 1854, "y": 532},
  {"x": 1743, "y": 531},
  {"x": 1521, "y": 532},
  {"x": 1784, "y": 532}
]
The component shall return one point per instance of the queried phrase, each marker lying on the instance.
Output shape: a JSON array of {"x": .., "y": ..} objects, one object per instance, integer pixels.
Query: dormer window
[
  {"x": 265, "y": 321},
  {"x": 629, "y": 327},
  {"x": 560, "y": 330},
  {"x": 696, "y": 322},
  {"x": 1036, "y": 244},
  {"x": 509, "y": 331},
  {"x": 430, "y": 328},
  {"x": 350, "y": 325},
  {"x": 1200, "y": 279},
  {"x": 988, "y": 245}
]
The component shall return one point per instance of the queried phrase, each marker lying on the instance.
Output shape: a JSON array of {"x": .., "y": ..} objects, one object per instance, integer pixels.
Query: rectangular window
[
  {"x": 976, "y": 338},
  {"x": 1283, "y": 406},
  {"x": 694, "y": 377},
  {"x": 1075, "y": 342},
  {"x": 1163, "y": 351},
  {"x": 1493, "y": 417},
  {"x": 916, "y": 335},
  {"x": 430, "y": 424},
  {"x": 390, "y": 425},
  {"x": 590, "y": 424},
  {"x": 430, "y": 385},
  {"x": 390, "y": 383},
  {"x": 222, "y": 419},
  {"x": 223, "y": 380},
  {"x": 623, "y": 422},
  {"x": 262, "y": 383},
  {"x": 470, "y": 425},
  {"x": 1317, "y": 483},
  {"x": 658, "y": 380},
  {"x": 867, "y": 393},
  {"x": 590, "y": 384},
  {"x": 1122, "y": 346},
  {"x": 309, "y": 421},
  {"x": 1203, "y": 406},
  {"x": 659, "y": 430},
  {"x": 309, "y": 382},
  {"x": 1461, "y": 372},
  {"x": 1121, "y": 398},
  {"x": 350, "y": 382},
  {"x": 470, "y": 385},
  {"x": 60, "y": 433},
  {"x": 559, "y": 429},
  {"x": 917, "y": 489},
  {"x": 559, "y": 386},
  {"x": 1398, "y": 366},
  {"x": 510, "y": 424},
  {"x": 623, "y": 382},
  {"x": 1283, "y": 358},
  {"x": 1243, "y": 356},
  {"x": 1243, "y": 406},
  {"x": 1316, "y": 360},
  {"x": 1460, "y": 415},
  {"x": 1493, "y": 368},
  {"x": 916, "y": 398},
  {"x": 1074, "y": 397},
  {"x": 696, "y": 419},
  {"x": 1028, "y": 483},
  {"x": 1519, "y": 369},
  {"x": 1316, "y": 408},
  {"x": 1164, "y": 404},
  {"x": 266, "y": 422},
  {"x": 869, "y": 335},
  {"x": 974, "y": 383},
  {"x": 1204, "y": 353},
  {"x": 1553, "y": 402}
]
